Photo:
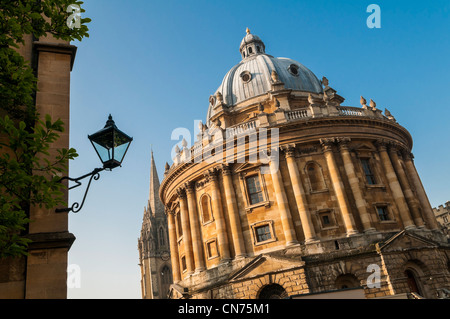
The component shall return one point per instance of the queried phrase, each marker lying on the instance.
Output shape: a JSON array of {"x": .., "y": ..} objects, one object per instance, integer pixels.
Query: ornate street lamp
[{"x": 111, "y": 145}]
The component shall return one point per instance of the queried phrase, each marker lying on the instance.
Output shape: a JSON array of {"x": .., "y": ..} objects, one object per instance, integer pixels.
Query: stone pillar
[
  {"x": 353, "y": 180},
  {"x": 197, "y": 241},
  {"x": 338, "y": 187},
  {"x": 187, "y": 241},
  {"x": 282, "y": 201},
  {"x": 299, "y": 193},
  {"x": 174, "y": 248},
  {"x": 221, "y": 229},
  {"x": 407, "y": 191},
  {"x": 394, "y": 185},
  {"x": 233, "y": 212},
  {"x": 427, "y": 210}
]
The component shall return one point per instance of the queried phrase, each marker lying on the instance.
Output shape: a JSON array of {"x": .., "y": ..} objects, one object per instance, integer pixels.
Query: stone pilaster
[
  {"x": 233, "y": 212},
  {"x": 187, "y": 241},
  {"x": 299, "y": 193},
  {"x": 394, "y": 185},
  {"x": 338, "y": 187},
  {"x": 407, "y": 191},
  {"x": 353, "y": 180},
  {"x": 427, "y": 210},
  {"x": 282, "y": 201},
  {"x": 197, "y": 242},
  {"x": 173, "y": 248},
  {"x": 221, "y": 229}
]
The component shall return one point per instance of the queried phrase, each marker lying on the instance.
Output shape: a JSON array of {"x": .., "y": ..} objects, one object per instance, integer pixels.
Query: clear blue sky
[{"x": 154, "y": 64}]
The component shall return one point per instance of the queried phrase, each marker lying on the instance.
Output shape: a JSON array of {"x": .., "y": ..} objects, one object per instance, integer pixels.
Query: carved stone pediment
[
  {"x": 405, "y": 240},
  {"x": 264, "y": 264}
]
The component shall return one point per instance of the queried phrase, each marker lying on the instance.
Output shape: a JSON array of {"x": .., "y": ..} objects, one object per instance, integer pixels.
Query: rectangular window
[
  {"x": 183, "y": 263},
  {"x": 254, "y": 190},
  {"x": 211, "y": 248},
  {"x": 370, "y": 178},
  {"x": 382, "y": 213},
  {"x": 262, "y": 233},
  {"x": 326, "y": 220}
]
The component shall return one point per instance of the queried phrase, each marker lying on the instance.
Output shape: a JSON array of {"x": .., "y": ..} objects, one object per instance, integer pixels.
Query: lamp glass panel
[
  {"x": 104, "y": 153},
  {"x": 119, "y": 151}
]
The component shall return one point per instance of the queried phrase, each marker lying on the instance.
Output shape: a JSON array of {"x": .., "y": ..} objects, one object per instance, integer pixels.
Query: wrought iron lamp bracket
[{"x": 76, "y": 207}]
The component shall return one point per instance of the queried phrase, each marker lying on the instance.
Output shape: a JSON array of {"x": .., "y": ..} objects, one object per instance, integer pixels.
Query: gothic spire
[{"x": 155, "y": 203}]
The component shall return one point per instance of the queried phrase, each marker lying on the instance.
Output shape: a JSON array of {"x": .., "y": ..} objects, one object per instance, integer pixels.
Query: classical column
[
  {"x": 338, "y": 187},
  {"x": 221, "y": 229},
  {"x": 187, "y": 241},
  {"x": 430, "y": 218},
  {"x": 197, "y": 241},
  {"x": 299, "y": 193},
  {"x": 282, "y": 201},
  {"x": 407, "y": 191},
  {"x": 173, "y": 248},
  {"x": 353, "y": 180},
  {"x": 394, "y": 185},
  {"x": 233, "y": 212}
]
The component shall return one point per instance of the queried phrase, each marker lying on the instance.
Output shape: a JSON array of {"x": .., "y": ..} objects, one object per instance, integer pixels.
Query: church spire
[{"x": 155, "y": 203}]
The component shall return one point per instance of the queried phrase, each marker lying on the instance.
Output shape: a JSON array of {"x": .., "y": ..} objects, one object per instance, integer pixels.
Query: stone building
[
  {"x": 43, "y": 273},
  {"x": 153, "y": 245},
  {"x": 287, "y": 192},
  {"x": 443, "y": 217}
]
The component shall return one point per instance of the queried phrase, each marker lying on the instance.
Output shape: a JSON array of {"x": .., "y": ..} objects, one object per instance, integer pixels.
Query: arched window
[
  {"x": 272, "y": 291},
  {"x": 205, "y": 205},
  {"x": 314, "y": 173},
  {"x": 250, "y": 50},
  {"x": 346, "y": 281},
  {"x": 412, "y": 282}
]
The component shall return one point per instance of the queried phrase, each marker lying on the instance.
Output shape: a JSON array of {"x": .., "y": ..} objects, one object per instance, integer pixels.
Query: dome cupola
[{"x": 251, "y": 45}]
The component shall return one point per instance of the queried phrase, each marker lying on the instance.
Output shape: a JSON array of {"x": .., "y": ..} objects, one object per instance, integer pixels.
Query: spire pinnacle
[
  {"x": 248, "y": 31},
  {"x": 154, "y": 201}
]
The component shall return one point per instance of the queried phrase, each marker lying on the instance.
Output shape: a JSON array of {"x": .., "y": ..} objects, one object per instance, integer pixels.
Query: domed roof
[{"x": 252, "y": 76}]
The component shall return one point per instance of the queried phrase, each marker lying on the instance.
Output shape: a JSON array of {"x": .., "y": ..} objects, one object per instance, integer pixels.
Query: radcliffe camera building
[{"x": 322, "y": 197}]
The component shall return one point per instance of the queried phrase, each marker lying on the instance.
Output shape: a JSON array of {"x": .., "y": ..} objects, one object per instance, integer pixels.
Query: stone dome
[{"x": 253, "y": 76}]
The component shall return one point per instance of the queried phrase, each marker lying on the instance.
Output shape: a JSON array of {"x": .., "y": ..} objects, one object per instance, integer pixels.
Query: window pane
[
  {"x": 368, "y": 171},
  {"x": 262, "y": 233},
  {"x": 254, "y": 190},
  {"x": 382, "y": 213}
]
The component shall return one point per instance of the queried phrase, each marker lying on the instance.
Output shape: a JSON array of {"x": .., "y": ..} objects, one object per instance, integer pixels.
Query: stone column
[
  {"x": 233, "y": 212},
  {"x": 353, "y": 180},
  {"x": 174, "y": 248},
  {"x": 299, "y": 193},
  {"x": 338, "y": 187},
  {"x": 427, "y": 211},
  {"x": 221, "y": 229},
  {"x": 187, "y": 241},
  {"x": 394, "y": 185},
  {"x": 407, "y": 191},
  {"x": 197, "y": 241},
  {"x": 282, "y": 201}
]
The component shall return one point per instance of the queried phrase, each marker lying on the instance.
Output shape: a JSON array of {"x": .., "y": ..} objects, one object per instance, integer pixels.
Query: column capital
[
  {"x": 181, "y": 192},
  {"x": 327, "y": 143},
  {"x": 226, "y": 169},
  {"x": 289, "y": 150},
  {"x": 189, "y": 187},
  {"x": 381, "y": 144},
  {"x": 343, "y": 142},
  {"x": 211, "y": 174}
]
